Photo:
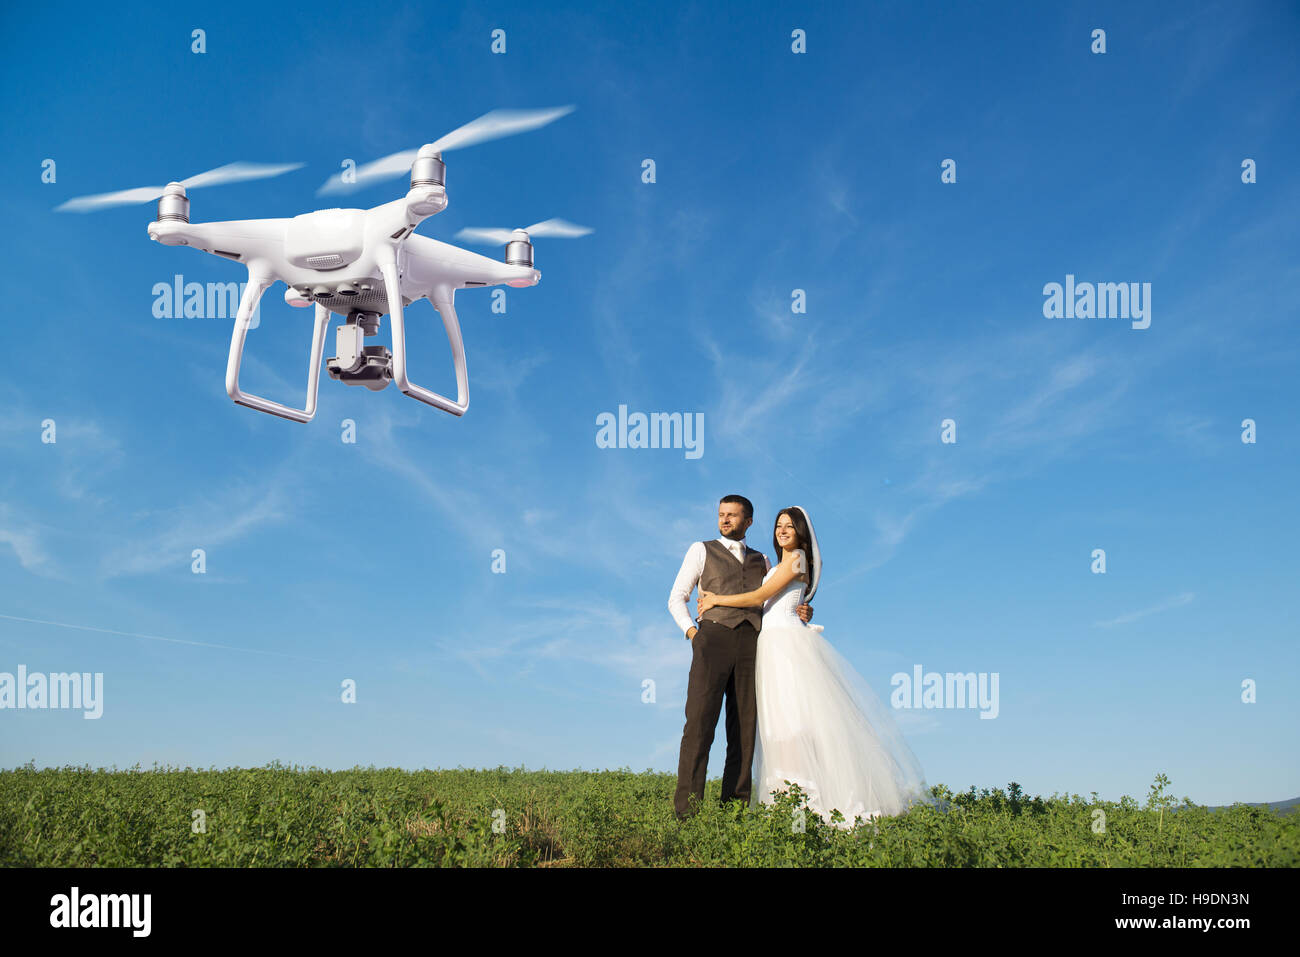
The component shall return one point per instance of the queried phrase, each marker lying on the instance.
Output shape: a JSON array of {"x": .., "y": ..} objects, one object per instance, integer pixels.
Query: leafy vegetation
[{"x": 279, "y": 816}]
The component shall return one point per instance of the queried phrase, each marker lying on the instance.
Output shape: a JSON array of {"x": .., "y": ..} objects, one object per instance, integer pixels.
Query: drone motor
[
  {"x": 519, "y": 251},
  {"x": 428, "y": 169},
  {"x": 173, "y": 204}
]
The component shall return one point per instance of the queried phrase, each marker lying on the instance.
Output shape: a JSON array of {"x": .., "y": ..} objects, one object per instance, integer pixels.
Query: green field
[{"x": 293, "y": 817}]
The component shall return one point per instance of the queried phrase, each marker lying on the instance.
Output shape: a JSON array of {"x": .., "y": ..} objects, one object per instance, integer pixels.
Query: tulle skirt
[{"x": 821, "y": 726}]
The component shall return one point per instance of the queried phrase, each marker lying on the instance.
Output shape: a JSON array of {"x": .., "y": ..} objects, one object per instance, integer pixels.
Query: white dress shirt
[{"x": 689, "y": 577}]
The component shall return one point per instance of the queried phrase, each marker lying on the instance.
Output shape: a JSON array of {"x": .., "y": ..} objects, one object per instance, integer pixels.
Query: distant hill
[{"x": 1282, "y": 807}]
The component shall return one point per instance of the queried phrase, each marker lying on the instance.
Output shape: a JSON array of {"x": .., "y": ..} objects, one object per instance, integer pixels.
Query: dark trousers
[{"x": 722, "y": 664}]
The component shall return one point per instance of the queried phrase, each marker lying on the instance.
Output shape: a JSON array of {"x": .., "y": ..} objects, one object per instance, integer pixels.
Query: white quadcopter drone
[{"x": 359, "y": 263}]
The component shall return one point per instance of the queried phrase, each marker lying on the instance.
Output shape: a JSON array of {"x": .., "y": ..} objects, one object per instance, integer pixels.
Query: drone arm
[
  {"x": 442, "y": 300},
  {"x": 257, "y": 284},
  {"x": 423, "y": 202}
]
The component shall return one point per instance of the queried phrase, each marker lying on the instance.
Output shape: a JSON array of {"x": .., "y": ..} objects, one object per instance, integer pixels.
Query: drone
[{"x": 357, "y": 263}]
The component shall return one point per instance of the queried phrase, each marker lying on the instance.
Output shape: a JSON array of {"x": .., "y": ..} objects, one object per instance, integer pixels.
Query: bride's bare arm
[{"x": 785, "y": 573}]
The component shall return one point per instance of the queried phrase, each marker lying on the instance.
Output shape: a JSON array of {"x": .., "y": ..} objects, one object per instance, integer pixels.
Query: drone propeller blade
[
  {"x": 238, "y": 172},
  {"x": 488, "y": 237},
  {"x": 230, "y": 173},
  {"x": 549, "y": 228},
  {"x": 380, "y": 169},
  {"x": 557, "y": 229},
  {"x": 489, "y": 126},
  {"x": 123, "y": 197},
  {"x": 499, "y": 123}
]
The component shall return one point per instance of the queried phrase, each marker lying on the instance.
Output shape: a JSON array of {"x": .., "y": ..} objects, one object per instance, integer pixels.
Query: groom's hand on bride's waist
[{"x": 805, "y": 613}]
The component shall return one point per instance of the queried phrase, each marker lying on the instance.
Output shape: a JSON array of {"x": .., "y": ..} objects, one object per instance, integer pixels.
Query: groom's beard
[{"x": 734, "y": 535}]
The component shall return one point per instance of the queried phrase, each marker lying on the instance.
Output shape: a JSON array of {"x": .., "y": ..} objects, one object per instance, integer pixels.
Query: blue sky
[{"x": 775, "y": 171}]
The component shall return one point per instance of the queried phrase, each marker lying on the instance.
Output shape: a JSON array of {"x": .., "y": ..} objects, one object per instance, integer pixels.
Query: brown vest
[{"x": 723, "y": 575}]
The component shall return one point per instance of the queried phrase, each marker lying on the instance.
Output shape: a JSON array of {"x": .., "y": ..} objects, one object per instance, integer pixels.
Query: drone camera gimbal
[{"x": 358, "y": 364}]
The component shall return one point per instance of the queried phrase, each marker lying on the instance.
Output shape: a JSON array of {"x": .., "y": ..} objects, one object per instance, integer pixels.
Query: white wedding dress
[{"x": 821, "y": 726}]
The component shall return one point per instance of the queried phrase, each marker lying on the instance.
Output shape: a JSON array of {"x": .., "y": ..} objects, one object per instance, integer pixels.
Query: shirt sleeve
[
  {"x": 767, "y": 567},
  {"x": 687, "y": 579}
]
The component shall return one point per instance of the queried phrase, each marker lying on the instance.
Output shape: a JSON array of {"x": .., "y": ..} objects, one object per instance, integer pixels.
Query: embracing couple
[{"x": 797, "y": 712}]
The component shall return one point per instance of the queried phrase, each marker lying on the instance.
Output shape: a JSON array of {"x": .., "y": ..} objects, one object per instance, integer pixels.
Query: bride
[{"x": 819, "y": 724}]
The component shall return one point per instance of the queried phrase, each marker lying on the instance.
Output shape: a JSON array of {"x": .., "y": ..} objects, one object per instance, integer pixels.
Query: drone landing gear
[
  {"x": 357, "y": 364},
  {"x": 247, "y": 304},
  {"x": 442, "y": 301}
]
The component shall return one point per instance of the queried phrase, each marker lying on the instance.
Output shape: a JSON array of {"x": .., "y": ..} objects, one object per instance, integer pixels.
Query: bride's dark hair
[{"x": 801, "y": 532}]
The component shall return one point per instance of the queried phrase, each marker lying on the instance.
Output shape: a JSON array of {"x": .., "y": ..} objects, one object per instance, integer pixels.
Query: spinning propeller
[
  {"x": 230, "y": 173},
  {"x": 519, "y": 247},
  {"x": 489, "y": 126},
  {"x": 550, "y": 228}
]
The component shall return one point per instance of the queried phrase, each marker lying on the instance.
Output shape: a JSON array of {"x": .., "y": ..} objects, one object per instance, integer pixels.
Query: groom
[{"x": 723, "y": 647}]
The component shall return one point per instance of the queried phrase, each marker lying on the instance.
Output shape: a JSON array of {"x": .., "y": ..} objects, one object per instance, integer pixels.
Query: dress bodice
[{"x": 782, "y": 606}]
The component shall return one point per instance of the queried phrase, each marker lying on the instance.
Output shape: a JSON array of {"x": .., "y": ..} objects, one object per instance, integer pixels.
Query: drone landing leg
[
  {"x": 252, "y": 294},
  {"x": 442, "y": 301}
]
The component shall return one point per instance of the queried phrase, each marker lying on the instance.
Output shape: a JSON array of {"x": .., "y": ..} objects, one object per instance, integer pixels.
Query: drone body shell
[{"x": 330, "y": 247}]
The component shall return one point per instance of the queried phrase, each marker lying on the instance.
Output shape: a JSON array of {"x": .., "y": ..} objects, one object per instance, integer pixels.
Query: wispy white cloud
[
  {"x": 205, "y": 523},
  {"x": 591, "y": 631},
  {"x": 754, "y": 400},
  {"x": 25, "y": 542},
  {"x": 83, "y": 454},
  {"x": 467, "y": 506},
  {"x": 144, "y": 637},
  {"x": 639, "y": 253},
  {"x": 1175, "y": 602},
  {"x": 1201, "y": 53},
  {"x": 80, "y": 460},
  {"x": 1194, "y": 432},
  {"x": 1022, "y": 400}
]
